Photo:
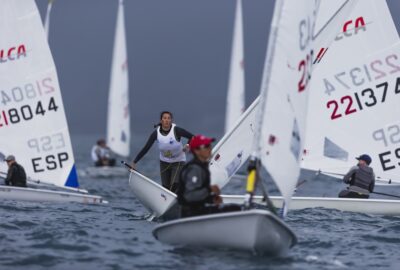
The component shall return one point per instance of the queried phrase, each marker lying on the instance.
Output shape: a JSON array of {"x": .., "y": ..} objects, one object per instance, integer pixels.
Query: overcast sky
[{"x": 178, "y": 54}]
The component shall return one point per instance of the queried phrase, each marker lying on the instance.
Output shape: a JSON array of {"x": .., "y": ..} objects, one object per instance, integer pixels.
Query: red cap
[{"x": 200, "y": 140}]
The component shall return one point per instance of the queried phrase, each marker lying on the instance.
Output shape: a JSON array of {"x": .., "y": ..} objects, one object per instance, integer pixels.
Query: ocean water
[{"x": 117, "y": 235}]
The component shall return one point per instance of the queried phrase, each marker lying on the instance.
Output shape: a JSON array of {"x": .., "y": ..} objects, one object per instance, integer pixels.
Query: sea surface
[{"x": 118, "y": 236}]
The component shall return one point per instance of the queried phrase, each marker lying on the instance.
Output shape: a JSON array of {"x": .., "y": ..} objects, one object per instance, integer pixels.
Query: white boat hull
[
  {"x": 103, "y": 172},
  {"x": 42, "y": 195},
  {"x": 257, "y": 231},
  {"x": 366, "y": 206},
  {"x": 157, "y": 199}
]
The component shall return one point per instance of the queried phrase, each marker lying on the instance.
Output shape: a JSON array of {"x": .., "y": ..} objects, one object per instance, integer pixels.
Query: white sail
[
  {"x": 33, "y": 126},
  {"x": 118, "y": 124},
  {"x": 47, "y": 18},
  {"x": 353, "y": 105},
  {"x": 233, "y": 150},
  {"x": 235, "y": 101},
  {"x": 285, "y": 87},
  {"x": 356, "y": 43}
]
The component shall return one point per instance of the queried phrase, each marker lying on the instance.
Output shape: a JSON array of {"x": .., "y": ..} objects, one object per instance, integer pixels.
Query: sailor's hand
[
  {"x": 133, "y": 165},
  {"x": 217, "y": 200},
  {"x": 215, "y": 190},
  {"x": 186, "y": 148}
]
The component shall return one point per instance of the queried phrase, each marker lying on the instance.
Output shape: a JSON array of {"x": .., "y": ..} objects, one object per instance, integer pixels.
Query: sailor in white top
[
  {"x": 101, "y": 154},
  {"x": 172, "y": 151}
]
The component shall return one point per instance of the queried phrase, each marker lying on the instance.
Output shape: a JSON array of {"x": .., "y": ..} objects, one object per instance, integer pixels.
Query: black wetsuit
[
  {"x": 194, "y": 191},
  {"x": 16, "y": 176},
  {"x": 169, "y": 171}
]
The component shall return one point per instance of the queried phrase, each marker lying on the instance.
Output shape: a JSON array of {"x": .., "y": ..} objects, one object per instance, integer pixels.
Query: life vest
[
  {"x": 98, "y": 151},
  {"x": 194, "y": 185},
  {"x": 171, "y": 150},
  {"x": 362, "y": 179}
]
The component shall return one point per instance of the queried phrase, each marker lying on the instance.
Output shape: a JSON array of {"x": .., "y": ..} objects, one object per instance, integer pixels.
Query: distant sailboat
[
  {"x": 235, "y": 101},
  {"x": 33, "y": 126},
  {"x": 118, "y": 116},
  {"x": 118, "y": 122}
]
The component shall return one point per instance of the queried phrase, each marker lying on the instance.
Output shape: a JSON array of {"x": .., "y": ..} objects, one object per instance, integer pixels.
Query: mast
[
  {"x": 47, "y": 19},
  {"x": 256, "y": 148}
]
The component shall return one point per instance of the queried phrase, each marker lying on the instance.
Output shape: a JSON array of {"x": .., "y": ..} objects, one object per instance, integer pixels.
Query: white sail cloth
[
  {"x": 33, "y": 126},
  {"x": 118, "y": 122},
  {"x": 236, "y": 87},
  {"x": 354, "y": 103},
  {"x": 285, "y": 86}
]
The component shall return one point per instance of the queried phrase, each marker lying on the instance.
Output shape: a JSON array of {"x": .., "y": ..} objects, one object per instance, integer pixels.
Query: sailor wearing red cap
[{"x": 196, "y": 195}]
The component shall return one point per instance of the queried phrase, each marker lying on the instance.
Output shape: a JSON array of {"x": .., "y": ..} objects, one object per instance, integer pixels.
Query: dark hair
[
  {"x": 100, "y": 141},
  {"x": 161, "y": 116},
  {"x": 165, "y": 112}
]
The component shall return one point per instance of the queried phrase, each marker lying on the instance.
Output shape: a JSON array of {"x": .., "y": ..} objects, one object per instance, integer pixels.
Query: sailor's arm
[
  {"x": 10, "y": 173},
  {"x": 180, "y": 132},
  {"x": 372, "y": 185},
  {"x": 348, "y": 177},
  {"x": 146, "y": 148}
]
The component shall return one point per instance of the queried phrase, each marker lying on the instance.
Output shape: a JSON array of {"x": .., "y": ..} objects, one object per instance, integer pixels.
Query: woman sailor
[{"x": 172, "y": 152}]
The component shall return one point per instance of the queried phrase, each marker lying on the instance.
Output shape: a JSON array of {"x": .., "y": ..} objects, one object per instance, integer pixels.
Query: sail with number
[
  {"x": 118, "y": 124},
  {"x": 354, "y": 101},
  {"x": 235, "y": 101},
  {"x": 33, "y": 126},
  {"x": 333, "y": 148},
  {"x": 288, "y": 71}
]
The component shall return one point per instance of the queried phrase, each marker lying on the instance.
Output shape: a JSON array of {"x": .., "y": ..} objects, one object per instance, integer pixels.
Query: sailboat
[
  {"x": 33, "y": 126},
  {"x": 279, "y": 137},
  {"x": 235, "y": 100},
  {"x": 332, "y": 144},
  {"x": 118, "y": 121}
]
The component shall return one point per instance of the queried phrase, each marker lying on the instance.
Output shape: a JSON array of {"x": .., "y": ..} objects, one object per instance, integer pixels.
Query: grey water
[{"x": 118, "y": 236}]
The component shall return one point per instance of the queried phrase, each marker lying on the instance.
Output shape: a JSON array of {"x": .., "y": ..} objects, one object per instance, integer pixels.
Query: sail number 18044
[{"x": 26, "y": 112}]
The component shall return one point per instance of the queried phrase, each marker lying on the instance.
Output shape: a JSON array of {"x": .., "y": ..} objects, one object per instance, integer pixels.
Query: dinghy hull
[
  {"x": 42, "y": 195},
  {"x": 157, "y": 199},
  {"x": 257, "y": 231},
  {"x": 366, "y": 206}
]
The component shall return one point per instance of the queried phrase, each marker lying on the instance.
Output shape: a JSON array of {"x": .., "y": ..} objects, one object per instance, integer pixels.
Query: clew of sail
[
  {"x": 118, "y": 122},
  {"x": 33, "y": 126},
  {"x": 353, "y": 104},
  {"x": 236, "y": 87},
  {"x": 280, "y": 127}
]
